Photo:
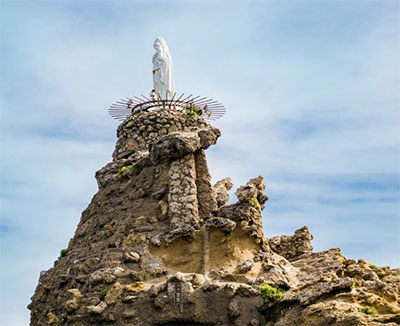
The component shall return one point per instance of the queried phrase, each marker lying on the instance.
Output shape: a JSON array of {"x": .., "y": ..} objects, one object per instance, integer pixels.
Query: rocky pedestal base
[{"x": 159, "y": 245}]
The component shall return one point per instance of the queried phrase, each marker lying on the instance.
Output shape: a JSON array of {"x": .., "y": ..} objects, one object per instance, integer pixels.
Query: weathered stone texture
[
  {"x": 137, "y": 132},
  {"x": 221, "y": 189},
  {"x": 158, "y": 245},
  {"x": 293, "y": 246},
  {"x": 205, "y": 195},
  {"x": 182, "y": 198}
]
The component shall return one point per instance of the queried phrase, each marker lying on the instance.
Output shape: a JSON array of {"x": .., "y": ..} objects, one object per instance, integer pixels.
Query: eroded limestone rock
[
  {"x": 73, "y": 304},
  {"x": 132, "y": 257},
  {"x": 53, "y": 319},
  {"x": 252, "y": 191},
  {"x": 246, "y": 266},
  {"x": 105, "y": 275},
  {"x": 98, "y": 309},
  {"x": 159, "y": 245},
  {"x": 221, "y": 223},
  {"x": 292, "y": 246},
  {"x": 221, "y": 191}
]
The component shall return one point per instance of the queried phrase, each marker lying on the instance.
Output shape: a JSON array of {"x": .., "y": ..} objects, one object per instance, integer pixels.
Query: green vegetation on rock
[
  {"x": 270, "y": 294},
  {"x": 369, "y": 310},
  {"x": 103, "y": 294},
  {"x": 63, "y": 252},
  {"x": 255, "y": 202},
  {"x": 191, "y": 110},
  {"x": 121, "y": 170},
  {"x": 372, "y": 267},
  {"x": 339, "y": 254},
  {"x": 134, "y": 167}
]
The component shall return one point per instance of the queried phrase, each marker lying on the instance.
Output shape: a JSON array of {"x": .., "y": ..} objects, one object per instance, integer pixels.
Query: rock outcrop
[
  {"x": 291, "y": 247},
  {"x": 159, "y": 245}
]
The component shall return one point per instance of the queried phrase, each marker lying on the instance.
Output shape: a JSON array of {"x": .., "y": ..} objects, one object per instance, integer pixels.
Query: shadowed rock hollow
[{"x": 158, "y": 245}]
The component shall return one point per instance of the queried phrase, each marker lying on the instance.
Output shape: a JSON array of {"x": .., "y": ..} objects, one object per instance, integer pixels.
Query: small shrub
[
  {"x": 64, "y": 271},
  {"x": 135, "y": 168},
  {"x": 103, "y": 294},
  {"x": 270, "y": 294},
  {"x": 353, "y": 286},
  {"x": 255, "y": 202},
  {"x": 121, "y": 170},
  {"x": 373, "y": 267},
  {"x": 395, "y": 274},
  {"x": 191, "y": 110},
  {"x": 368, "y": 310},
  {"x": 63, "y": 252}
]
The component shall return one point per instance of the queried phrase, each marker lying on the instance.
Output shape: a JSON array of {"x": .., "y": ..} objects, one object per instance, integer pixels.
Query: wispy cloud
[{"x": 312, "y": 91}]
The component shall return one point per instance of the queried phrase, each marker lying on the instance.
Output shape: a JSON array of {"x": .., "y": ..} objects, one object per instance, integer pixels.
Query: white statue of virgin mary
[{"x": 163, "y": 70}]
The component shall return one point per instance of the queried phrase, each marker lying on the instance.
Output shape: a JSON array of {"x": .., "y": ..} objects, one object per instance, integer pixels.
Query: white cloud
[{"x": 313, "y": 106}]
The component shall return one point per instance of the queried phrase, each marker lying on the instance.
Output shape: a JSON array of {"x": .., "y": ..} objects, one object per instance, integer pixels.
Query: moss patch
[
  {"x": 368, "y": 310},
  {"x": 103, "y": 294},
  {"x": 191, "y": 110},
  {"x": 255, "y": 202},
  {"x": 134, "y": 168}
]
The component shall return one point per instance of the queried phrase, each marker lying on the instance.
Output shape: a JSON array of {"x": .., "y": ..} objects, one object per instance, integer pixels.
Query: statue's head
[
  {"x": 160, "y": 45},
  {"x": 157, "y": 45}
]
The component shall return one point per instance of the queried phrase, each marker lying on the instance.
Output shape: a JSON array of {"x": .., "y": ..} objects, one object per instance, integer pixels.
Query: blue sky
[{"x": 312, "y": 96}]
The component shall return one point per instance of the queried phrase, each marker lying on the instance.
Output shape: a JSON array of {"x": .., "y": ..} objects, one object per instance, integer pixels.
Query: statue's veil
[{"x": 169, "y": 73}]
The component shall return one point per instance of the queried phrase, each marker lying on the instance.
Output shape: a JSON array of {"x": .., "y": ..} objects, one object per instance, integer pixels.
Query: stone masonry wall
[
  {"x": 140, "y": 130},
  {"x": 182, "y": 197}
]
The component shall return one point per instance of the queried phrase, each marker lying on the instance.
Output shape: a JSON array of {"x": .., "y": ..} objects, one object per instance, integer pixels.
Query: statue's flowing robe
[{"x": 163, "y": 77}]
